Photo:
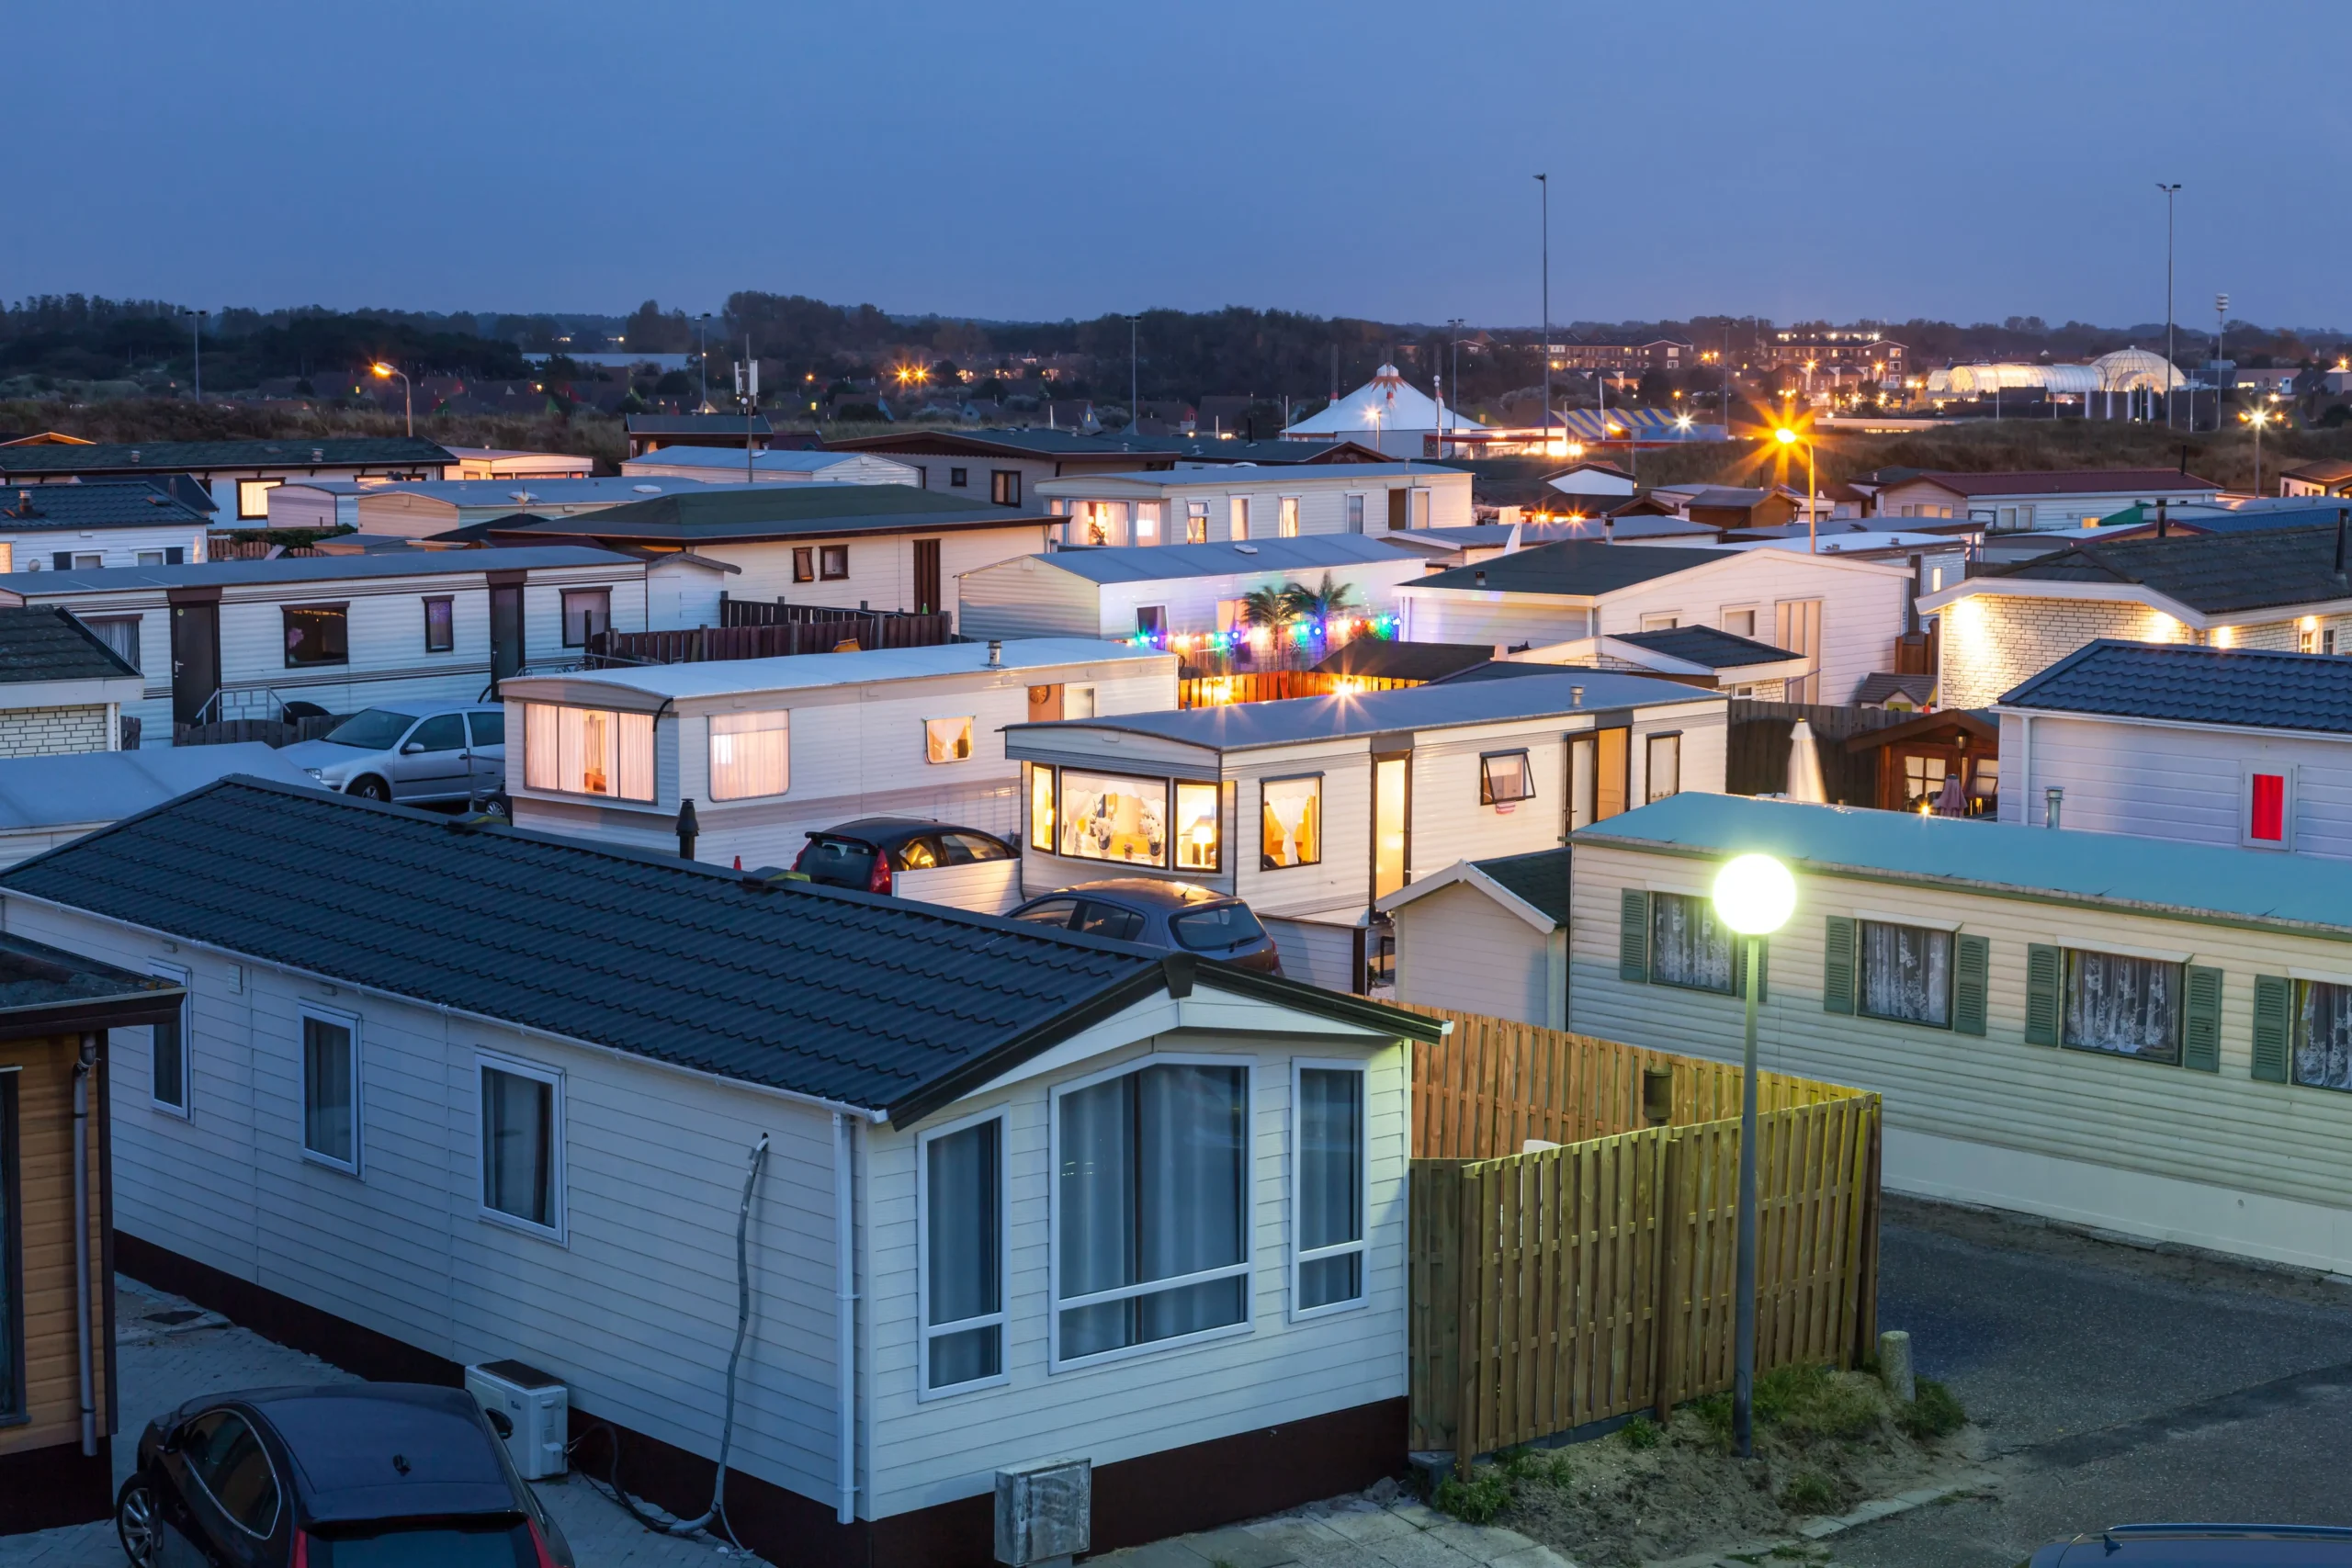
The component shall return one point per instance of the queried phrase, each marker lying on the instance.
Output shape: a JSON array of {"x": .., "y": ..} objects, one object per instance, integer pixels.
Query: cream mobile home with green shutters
[{"x": 2141, "y": 1035}]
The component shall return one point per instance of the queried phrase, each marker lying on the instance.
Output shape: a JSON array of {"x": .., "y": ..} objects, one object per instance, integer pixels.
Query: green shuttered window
[
  {"x": 2273, "y": 1000},
  {"x": 1837, "y": 965},
  {"x": 2202, "y": 1021},
  {"x": 1972, "y": 961},
  {"x": 1633, "y": 934},
  {"x": 2043, "y": 972}
]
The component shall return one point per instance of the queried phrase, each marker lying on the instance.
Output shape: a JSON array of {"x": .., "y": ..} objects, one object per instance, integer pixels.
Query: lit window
[
  {"x": 1240, "y": 508},
  {"x": 1356, "y": 514},
  {"x": 1197, "y": 825},
  {"x": 522, "y": 1144},
  {"x": 1196, "y": 522},
  {"x": 961, "y": 1204},
  {"x": 252, "y": 496},
  {"x": 1290, "y": 813},
  {"x": 588, "y": 752},
  {"x": 330, "y": 1088},
  {"x": 804, "y": 564},
  {"x": 1286, "y": 517},
  {"x": 750, "y": 754},
  {"x": 1004, "y": 487},
  {"x": 947, "y": 739},
  {"x": 317, "y": 634},
  {"x": 1104, "y": 816},
  {"x": 1665, "y": 772},
  {"x": 1329, "y": 1185},
  {"x": 1041, "y": 807},
  {"x": 1505, "y": 778},
  {"x": 440, "y": 626},
  {"x": 1147, "y": 523}
]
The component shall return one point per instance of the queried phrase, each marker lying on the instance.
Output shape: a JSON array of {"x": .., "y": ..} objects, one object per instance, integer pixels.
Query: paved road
[{"x": 2113, "y": 1384}]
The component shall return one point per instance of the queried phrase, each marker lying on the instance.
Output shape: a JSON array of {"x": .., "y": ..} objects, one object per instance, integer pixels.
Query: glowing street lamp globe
[{"x": 1755, "y": 895}]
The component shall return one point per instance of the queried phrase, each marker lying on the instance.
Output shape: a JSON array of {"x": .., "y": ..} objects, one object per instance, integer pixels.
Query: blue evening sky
[{"x": 1841, "y": 158}]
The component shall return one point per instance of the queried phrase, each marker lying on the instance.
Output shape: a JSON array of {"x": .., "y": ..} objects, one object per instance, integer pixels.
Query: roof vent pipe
[
  {"x": 1479, "y": 577},
  {"x": 2160, "y": 517},
  {"x": 996, "y": 650},
  {"x": 2341, "y": 515},
  {"x": 1576, "y": 696},
  {"x": 2051, "y": 799},
  {"x": 689, "y": 828}
]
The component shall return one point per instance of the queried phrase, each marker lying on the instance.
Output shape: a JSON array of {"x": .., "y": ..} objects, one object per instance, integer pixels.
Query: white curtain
[
  {"x": 2323, "y": 1036},
  {"x": 1906, "y": 974},
  {"x": 750, "y": 754},
  {"x": 1687, "y": 947},
  {"x": 1330, "y": 1183},
  {"x": 1152, "y": 1186},
  {"x": 517, "y": 1122},
  {"x": 2128, "y": 1005},
  {"x": 541, "y": 750},
  {"x": 961, "y": 1173}
]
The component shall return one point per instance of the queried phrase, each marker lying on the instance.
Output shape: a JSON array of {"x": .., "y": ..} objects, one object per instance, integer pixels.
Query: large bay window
[
  {"x": 1329, "y": 1181},
  {"x": 961, "y": 1199},
  {"x": 1291, "y": 822},
  {"x": 1198, "y": 822},
  {"x": 1151, "y": 1192},
  {"x": 750, "y": 754},
  {"x": 588, "y": 752},
  {"x": 1107, "y": 817}
]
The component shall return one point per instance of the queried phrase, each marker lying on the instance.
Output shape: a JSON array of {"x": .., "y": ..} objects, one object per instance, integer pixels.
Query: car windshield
[
  {"x": 489, "y": 1543},
  {"x": 1215, "y": 926},
  {"x": 372, "y": 729},
  {"x": 837, "y": 860}
]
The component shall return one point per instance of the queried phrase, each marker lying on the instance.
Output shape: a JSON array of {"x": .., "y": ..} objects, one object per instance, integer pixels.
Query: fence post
[
  {"x": 1864, "y": 1256},
  {"x": 1667, "y": 1335}
]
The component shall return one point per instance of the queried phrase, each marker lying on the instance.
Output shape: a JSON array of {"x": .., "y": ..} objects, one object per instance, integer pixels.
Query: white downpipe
[
  {"x": 845, "y": 1316},
  {"x": 85, "y": 1064}
]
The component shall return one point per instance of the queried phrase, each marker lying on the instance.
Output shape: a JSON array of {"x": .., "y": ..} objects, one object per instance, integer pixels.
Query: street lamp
[
  {"x": 2170, "y": 191},
  {"x": 196, "y": 330},
  {"x": 1788, "y": 437},
  {"x": 1754, "y": 896},
  {"x": 1544, "y": 181},
  {"x": 408, "y": 393},
  {"x": 703, "y": 335},
  {"x": 2257, "y": 417}
]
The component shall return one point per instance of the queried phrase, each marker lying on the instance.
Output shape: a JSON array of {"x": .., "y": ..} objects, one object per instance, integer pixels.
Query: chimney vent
[
  {"x": 1576, "y": 696},
  {"x": 996, "y": 654},
  {"x": 1479, "y": 577}
]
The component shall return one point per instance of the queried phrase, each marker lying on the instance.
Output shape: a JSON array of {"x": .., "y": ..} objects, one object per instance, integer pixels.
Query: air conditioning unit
[{"x": 536, "y": 1406}]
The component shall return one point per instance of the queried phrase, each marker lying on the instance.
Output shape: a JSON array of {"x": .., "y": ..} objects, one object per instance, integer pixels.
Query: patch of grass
[
  {"x": 1808, "y": 1404},
  {"x": 1547, "y": 1467},
  {"x": 1809, "y": 1492},
  {"x": 1476, "y": 1501},
  {"x": 1934, "y": 1414},
  {"x": 1641, "y": 1432}
]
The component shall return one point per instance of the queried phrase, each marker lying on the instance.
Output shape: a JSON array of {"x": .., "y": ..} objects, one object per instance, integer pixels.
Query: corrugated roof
[
  {"x": 1076, "y": 443},
  {"x": 44, "y": 643},
  {"x": 1706, "y": 646},
  {"x": 1157, "y": 563},
  {"x": 327, "y": 452},
  {"x": 704, "y": 513},
  {"x": 2062, "y": 482},
  {"x": 525, "y": 489},
  {"x": 1577, "y": 567},
  {"x": 1382, "y": 659},
  {"x": 695, "y": 424},
  {"x": 1244, "y": 725},
  {"x": 1223, "y": 475},
  {"x": 105, "y": 503},
  {"x": 305, "y": 569},
  {"x": 1540, "y": 878},
  {"x": 105, "y": 786},
  {"x": 2256, "y": 688},
  {"x": 718, "y": 677},
  {"x": 845, "y": 996},
  {"x": 2162, "y": 875},
  {"x": 2212, "y": 573}
]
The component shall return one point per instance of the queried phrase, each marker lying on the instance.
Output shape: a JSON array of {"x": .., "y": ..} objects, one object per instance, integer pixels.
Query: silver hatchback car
[{"x": 418, "y": 752}]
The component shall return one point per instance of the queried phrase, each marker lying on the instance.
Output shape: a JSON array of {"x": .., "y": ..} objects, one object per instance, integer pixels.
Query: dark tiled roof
[
  {"x": 1572, "y": 566},
  {"x": 1706, "y": 644},
  {"x": 2329, "y": 471},
  {"x": 1877, "y": 687},
  {"x": 1540, "y": 878},
  {"x": 702, "y": 514},
  {"x": 44, "y": 643},
  {"x": 1078, "y": 443},
  {"x": 696, "y": 424},
  {"x": 846, "y": 997},
  {"x": 375, "y": 452},
  {"x": 1381, "y": 660},
  {"x": 2212, "y": 573},
  {"x": 2254, "y": 687},
  {"x": 2058, "y": 481},
  {"x": 106, "y": 503}
]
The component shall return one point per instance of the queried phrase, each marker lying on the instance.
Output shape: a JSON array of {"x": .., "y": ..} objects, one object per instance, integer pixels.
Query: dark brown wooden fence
[
  {"x": 1756, "y": 757},
  {"x": 1273, "y": 685},
  {"x": 769, "y": 639},
  {"x": 268, "y": 731}
]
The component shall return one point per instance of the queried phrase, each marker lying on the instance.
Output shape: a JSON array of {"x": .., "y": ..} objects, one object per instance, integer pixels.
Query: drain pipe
[
  {"x": 83, "y": 1066},
  {"x": 845, "y": 1319}
]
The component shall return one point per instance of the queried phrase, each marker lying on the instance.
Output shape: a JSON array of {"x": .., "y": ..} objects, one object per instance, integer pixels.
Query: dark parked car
[
  {"x": 377, "y": 1476},
  {"x": 2204, "y": 1546},
  {"x": 1162, "y": 914},
  {"x": 866, "y": 852}
]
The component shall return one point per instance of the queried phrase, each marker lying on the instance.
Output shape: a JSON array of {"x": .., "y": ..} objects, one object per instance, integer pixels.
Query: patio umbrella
[{"x": 1805, "y": 766}]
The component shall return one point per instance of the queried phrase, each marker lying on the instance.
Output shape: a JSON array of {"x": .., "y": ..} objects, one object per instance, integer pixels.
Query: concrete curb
[{"x": 1748, "y": 1552}]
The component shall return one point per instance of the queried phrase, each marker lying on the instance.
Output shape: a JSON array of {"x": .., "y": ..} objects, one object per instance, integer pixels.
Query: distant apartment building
[
  {"x": 1630, "y": 352},
  {"x": 1834, "y": 355}
]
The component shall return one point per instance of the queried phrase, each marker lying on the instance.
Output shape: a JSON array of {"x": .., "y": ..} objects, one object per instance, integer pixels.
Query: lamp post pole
[
  {"x": 701, "y": 329},
  {"x": 1743, "y": 1367},
  {"x": 408, "y": 392},
  {"x": 2221, "y": 321},
  {"x": 2170, "y": 191},
  {"x": 1543, "y": 182},
  {"x": 196, "y": 327},
  {"x": 1135, "y": 380}
]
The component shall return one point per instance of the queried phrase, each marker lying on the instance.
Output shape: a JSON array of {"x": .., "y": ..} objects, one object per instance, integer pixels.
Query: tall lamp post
[
  {"x": 1788, "y": 437},
  {"x": 1754, "y": 896},
  {"x": 1135, "y": 380},
  {"x": 1545, "y": 183},
  {"x": 2258, "y": 416},
  {"x": 2221, "y": 322},
  {"x": 2170, "y": 191},
  {"x": 196, "y": 331},
  {"x": 703, "y": 336},
  {"x": 408, "y": 393}
]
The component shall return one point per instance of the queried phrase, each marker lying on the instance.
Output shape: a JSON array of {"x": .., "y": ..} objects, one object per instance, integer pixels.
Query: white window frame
[
  {"x": 1000, "y": 1318},
  {"x": 558, "y": 1212},
  {"x": 2286, "y": 840},
  {"x": 971, "y": 724},
  {"x": 185, "y": 1109},
  {"x": 1361, "y": 1246},
  {"x": 349, "y": 1021},
  {"x": 1246, "y": 1268}
]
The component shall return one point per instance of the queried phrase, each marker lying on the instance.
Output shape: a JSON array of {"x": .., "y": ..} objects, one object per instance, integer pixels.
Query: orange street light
[
  {"x": 1788, "y": 437},
  {"x": 408, "y": 392}
]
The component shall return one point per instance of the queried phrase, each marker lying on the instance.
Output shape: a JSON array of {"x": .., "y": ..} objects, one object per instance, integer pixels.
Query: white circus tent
[{"x": 1386, "y": 411}]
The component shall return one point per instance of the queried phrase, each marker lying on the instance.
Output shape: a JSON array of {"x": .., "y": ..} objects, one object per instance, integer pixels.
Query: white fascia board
[
  {"x": 2044, "y": 588},
  {"x": 95, "y": 691},
  {"x": 2252, "y": 732},
  {"x": 1462, "y": 873}
]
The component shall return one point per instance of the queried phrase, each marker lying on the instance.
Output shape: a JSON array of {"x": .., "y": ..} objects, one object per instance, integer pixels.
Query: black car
[
  {"x": 2204, "y": 1546},
  {"x": 866, "y": 853},
  {"x": 1161, "y": 914},
  {"x": 384, "y": 1475}
]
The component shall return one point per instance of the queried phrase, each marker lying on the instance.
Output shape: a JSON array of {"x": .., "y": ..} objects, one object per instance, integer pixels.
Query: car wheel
[
  {"x": 371, "y": 788},
  {"x": 136, "y": 1522},
  {"x": 499, "y": 806}
]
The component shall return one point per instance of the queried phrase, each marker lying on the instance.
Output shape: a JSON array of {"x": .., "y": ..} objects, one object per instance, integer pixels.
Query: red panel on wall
[{"x": 2270, "y": 825}]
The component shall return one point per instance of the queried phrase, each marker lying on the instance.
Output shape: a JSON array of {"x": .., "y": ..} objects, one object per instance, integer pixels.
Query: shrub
[
  {"x": 1934, "y": 1414},
  {"x": 1642, "y": 1432},
  {"x": 1809, "y": 1492},
  {"x": 1476, "y": 1501}
]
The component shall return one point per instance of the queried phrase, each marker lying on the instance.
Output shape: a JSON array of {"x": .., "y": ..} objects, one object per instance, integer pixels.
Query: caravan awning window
[{"x": 588, "y": 752}]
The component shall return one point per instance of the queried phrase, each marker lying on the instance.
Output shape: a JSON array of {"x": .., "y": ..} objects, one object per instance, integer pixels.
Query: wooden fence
[
  {"x": 1756, "y": 753},
  {"x": 1273, "y": 685},
  {"x": 232, "y": 731},
  {"x": 1565, "y": 1285},
  {"x": 694, "y": 645}
]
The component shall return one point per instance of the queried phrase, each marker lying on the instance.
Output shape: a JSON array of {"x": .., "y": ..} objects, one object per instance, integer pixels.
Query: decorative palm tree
[
  {"x": 1270, "y": 607},
  {"x": 1317, "y": 605}
]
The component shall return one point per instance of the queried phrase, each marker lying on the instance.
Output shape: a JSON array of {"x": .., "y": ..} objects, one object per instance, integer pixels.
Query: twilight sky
[{"x": 1841, "y": 158}]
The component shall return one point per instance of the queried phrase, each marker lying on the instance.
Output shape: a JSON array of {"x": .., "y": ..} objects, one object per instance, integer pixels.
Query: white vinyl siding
[{"x": 1457, "y": 948}]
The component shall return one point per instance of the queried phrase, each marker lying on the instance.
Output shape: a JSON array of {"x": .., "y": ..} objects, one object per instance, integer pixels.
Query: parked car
[
  {"x": 1160, "y": 914},
  {"x": 865, "y": 853},
  {"x": 2204, "y": 1546},
  {"x": 389, "y": 1476},
  {"x": 419, "y": 752}
]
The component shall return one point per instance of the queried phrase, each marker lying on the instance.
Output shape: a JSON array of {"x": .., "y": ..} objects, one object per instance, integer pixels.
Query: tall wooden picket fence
[{"x": 1561, "y": 1286}]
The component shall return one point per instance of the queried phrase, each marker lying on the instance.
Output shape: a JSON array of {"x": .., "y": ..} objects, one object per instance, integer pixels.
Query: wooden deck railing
[{"x": 1565, "y": 1285}]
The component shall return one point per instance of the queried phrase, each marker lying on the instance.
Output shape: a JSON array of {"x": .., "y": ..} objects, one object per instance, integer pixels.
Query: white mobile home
[
  {"x": 2136, "y": 1034},
  {"x": 771, "y": 750},
  {"x": 2014, "y": 502},
  {"x": 423, "y": 510},
  {"x": 1843, "y": 617},
  {"x": 2217, "y": 746},
  {"x": 430, "y": 1156},
  {"x": 1240, "y": 501},
  {"x": 1314, "y": 808},
  {"x": 715, "y": 464},
  {"x": 242, "y": 639},
  {"x": 1182, "y": 591},
  {"x": 99, "y": 524},
  {"x": 238, "y": 475}
]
